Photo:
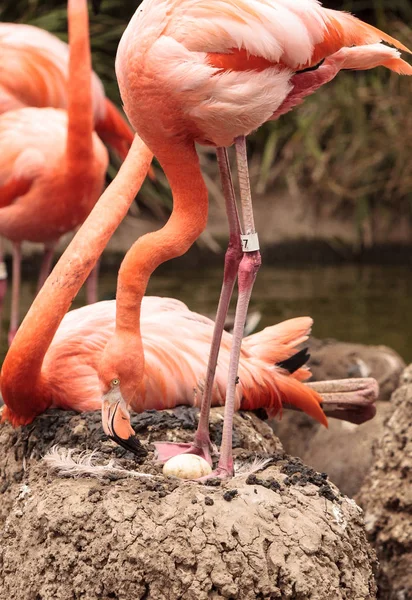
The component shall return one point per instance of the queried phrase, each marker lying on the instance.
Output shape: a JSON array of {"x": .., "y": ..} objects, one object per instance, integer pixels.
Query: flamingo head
[{"x": 121, "y": 375}]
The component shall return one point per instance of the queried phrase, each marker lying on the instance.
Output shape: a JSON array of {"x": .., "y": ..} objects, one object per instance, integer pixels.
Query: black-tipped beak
[
  {"x": 96, "y": 6},
  {"x": 116, "y": 424},
  {"x": 132, "y": 444}
]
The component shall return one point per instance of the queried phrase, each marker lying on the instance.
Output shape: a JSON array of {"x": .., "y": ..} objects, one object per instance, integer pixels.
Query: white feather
[
  {"x": 69, "y": 462},
  {"x": 247, "y": 468}
]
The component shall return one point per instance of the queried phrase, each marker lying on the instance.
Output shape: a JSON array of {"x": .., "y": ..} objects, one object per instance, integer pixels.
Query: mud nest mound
[
  {"x": 284, "y": 532},
  {"x": 386, "y": 497}
]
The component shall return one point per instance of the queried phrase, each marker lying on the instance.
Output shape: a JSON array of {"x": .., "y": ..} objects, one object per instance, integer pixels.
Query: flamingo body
[
  {"x": 176, "y": 343},
  {"x": 217, "y": 69},
  {"x": 56, "y": 196},
  {"x": 34, "y": 72}
]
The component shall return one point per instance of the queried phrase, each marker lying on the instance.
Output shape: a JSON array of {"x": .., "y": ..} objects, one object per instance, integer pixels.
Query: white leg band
[{"x": 250, "y": 242}]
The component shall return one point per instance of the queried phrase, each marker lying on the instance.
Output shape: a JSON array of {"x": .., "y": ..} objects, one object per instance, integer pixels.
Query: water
[{"x": 355, "y": 303}]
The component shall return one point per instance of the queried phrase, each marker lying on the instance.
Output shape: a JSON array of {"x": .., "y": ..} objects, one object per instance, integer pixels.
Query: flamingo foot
[
  {"x": 167, "y": 450},
  {"x": 219, "y": 473}
]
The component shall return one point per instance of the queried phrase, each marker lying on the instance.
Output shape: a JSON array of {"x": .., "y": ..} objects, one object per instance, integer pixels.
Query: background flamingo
[
  {"x": 35, "y": 72},
  {"x": 211, "y": 72},
  {"x": 52, "y": 165}
]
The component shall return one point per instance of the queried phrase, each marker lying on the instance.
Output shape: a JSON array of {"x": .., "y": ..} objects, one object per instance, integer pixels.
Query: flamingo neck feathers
[
  {"x": 187, "y": 221},
  {"x": 23, "y": 386},
  {"x": 80, "y": 104}
]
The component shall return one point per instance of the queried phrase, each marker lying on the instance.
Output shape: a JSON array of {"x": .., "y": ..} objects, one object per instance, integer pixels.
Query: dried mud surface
[
  {"x": 19, "y": 448},
  {"x": 350, "y": 454},
  {"x": 283, "y": 533},
  {"x": 386, "y": 497}
]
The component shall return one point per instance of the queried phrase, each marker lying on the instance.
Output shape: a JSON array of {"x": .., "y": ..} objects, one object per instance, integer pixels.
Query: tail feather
[
  {"x": 300, "y": 396},
  {"x": 360, "y": 32},
  {"x": 398, "y": 66},
  {"x": 295, "y": 362},
  {"x": 278, "y": 343},
  {"x": 279, "y": 389}
]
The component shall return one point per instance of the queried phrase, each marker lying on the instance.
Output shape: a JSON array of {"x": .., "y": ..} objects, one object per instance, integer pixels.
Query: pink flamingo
[
  {"x": 52, "y": 165},
  {"x": 35, "y": 72},
  {"x": 62, "y": 368},
  {"x": 270, "y": 370},
  {"x": 211, "y": 72}
]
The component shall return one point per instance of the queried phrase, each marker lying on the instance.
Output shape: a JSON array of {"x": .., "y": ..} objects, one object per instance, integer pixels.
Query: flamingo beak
[{"x": 116, "y": 425}]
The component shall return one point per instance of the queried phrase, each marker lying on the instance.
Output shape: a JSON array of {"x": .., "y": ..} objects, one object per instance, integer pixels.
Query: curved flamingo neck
[
  {"x": 21, "y": 381},
  {"x": 80, "y": 104},
  {"x": 186, "y": 223}
]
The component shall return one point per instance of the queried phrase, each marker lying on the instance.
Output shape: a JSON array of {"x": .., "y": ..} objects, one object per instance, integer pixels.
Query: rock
[
  {"x": 386, "y": 498},
  {"x": 331, "y": 359},
  {"x": 283, "y": 532},
  {"x": 344, "y": 450}
]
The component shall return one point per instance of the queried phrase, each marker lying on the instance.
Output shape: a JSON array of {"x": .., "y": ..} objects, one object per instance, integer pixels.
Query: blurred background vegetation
[{"x": 347, "y": 145}]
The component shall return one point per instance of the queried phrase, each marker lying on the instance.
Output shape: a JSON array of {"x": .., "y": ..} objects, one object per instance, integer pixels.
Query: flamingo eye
[{"x": 115, "y": 382}]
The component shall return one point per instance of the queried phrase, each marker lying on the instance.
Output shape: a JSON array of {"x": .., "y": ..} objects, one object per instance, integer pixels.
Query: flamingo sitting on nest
[
  {"x": 176, "y": 341},
  {"x": 62, "y": 367}
]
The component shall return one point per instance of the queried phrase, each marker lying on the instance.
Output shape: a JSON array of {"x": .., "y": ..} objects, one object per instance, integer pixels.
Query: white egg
[{"x": 186, "y": 466}]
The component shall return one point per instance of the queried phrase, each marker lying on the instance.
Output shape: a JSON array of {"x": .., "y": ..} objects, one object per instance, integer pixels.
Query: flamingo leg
[
  {"x": 3, "y": 281},
  {"x": 46, "y": 265},
  {"x": 248, "y": 269},
  {"x": 92, "y": 285},
  {"x": 201, "y": 444},
  {"x": 15, "y": 291}
]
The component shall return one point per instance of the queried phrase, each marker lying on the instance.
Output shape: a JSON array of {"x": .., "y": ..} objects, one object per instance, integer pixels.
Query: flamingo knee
[
  {"x": 248, "y": 269},
  {"x": 233, "y": 258}
]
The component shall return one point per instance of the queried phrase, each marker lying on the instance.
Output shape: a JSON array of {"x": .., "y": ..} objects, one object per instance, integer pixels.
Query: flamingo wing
[
  {"x": 35, "y": 68},
  {"x": 29, "y": 165},
  {"x": 70, "y": 365},
  {"x": 34, "y": 72},
  {"x": 176, "y": 343},
  {"x": 297, "y": 34},
  {"x": 31, "y": 139},
  {"x": 23, "y": 152}
]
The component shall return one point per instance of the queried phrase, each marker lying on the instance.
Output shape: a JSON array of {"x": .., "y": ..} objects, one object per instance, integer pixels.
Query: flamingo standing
[
  {"x": 211, "y": 72},
  {"x": 52, "y": 164},
  {"x": 35, "y": 69},
  {"x": 62, "y": 368}
]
